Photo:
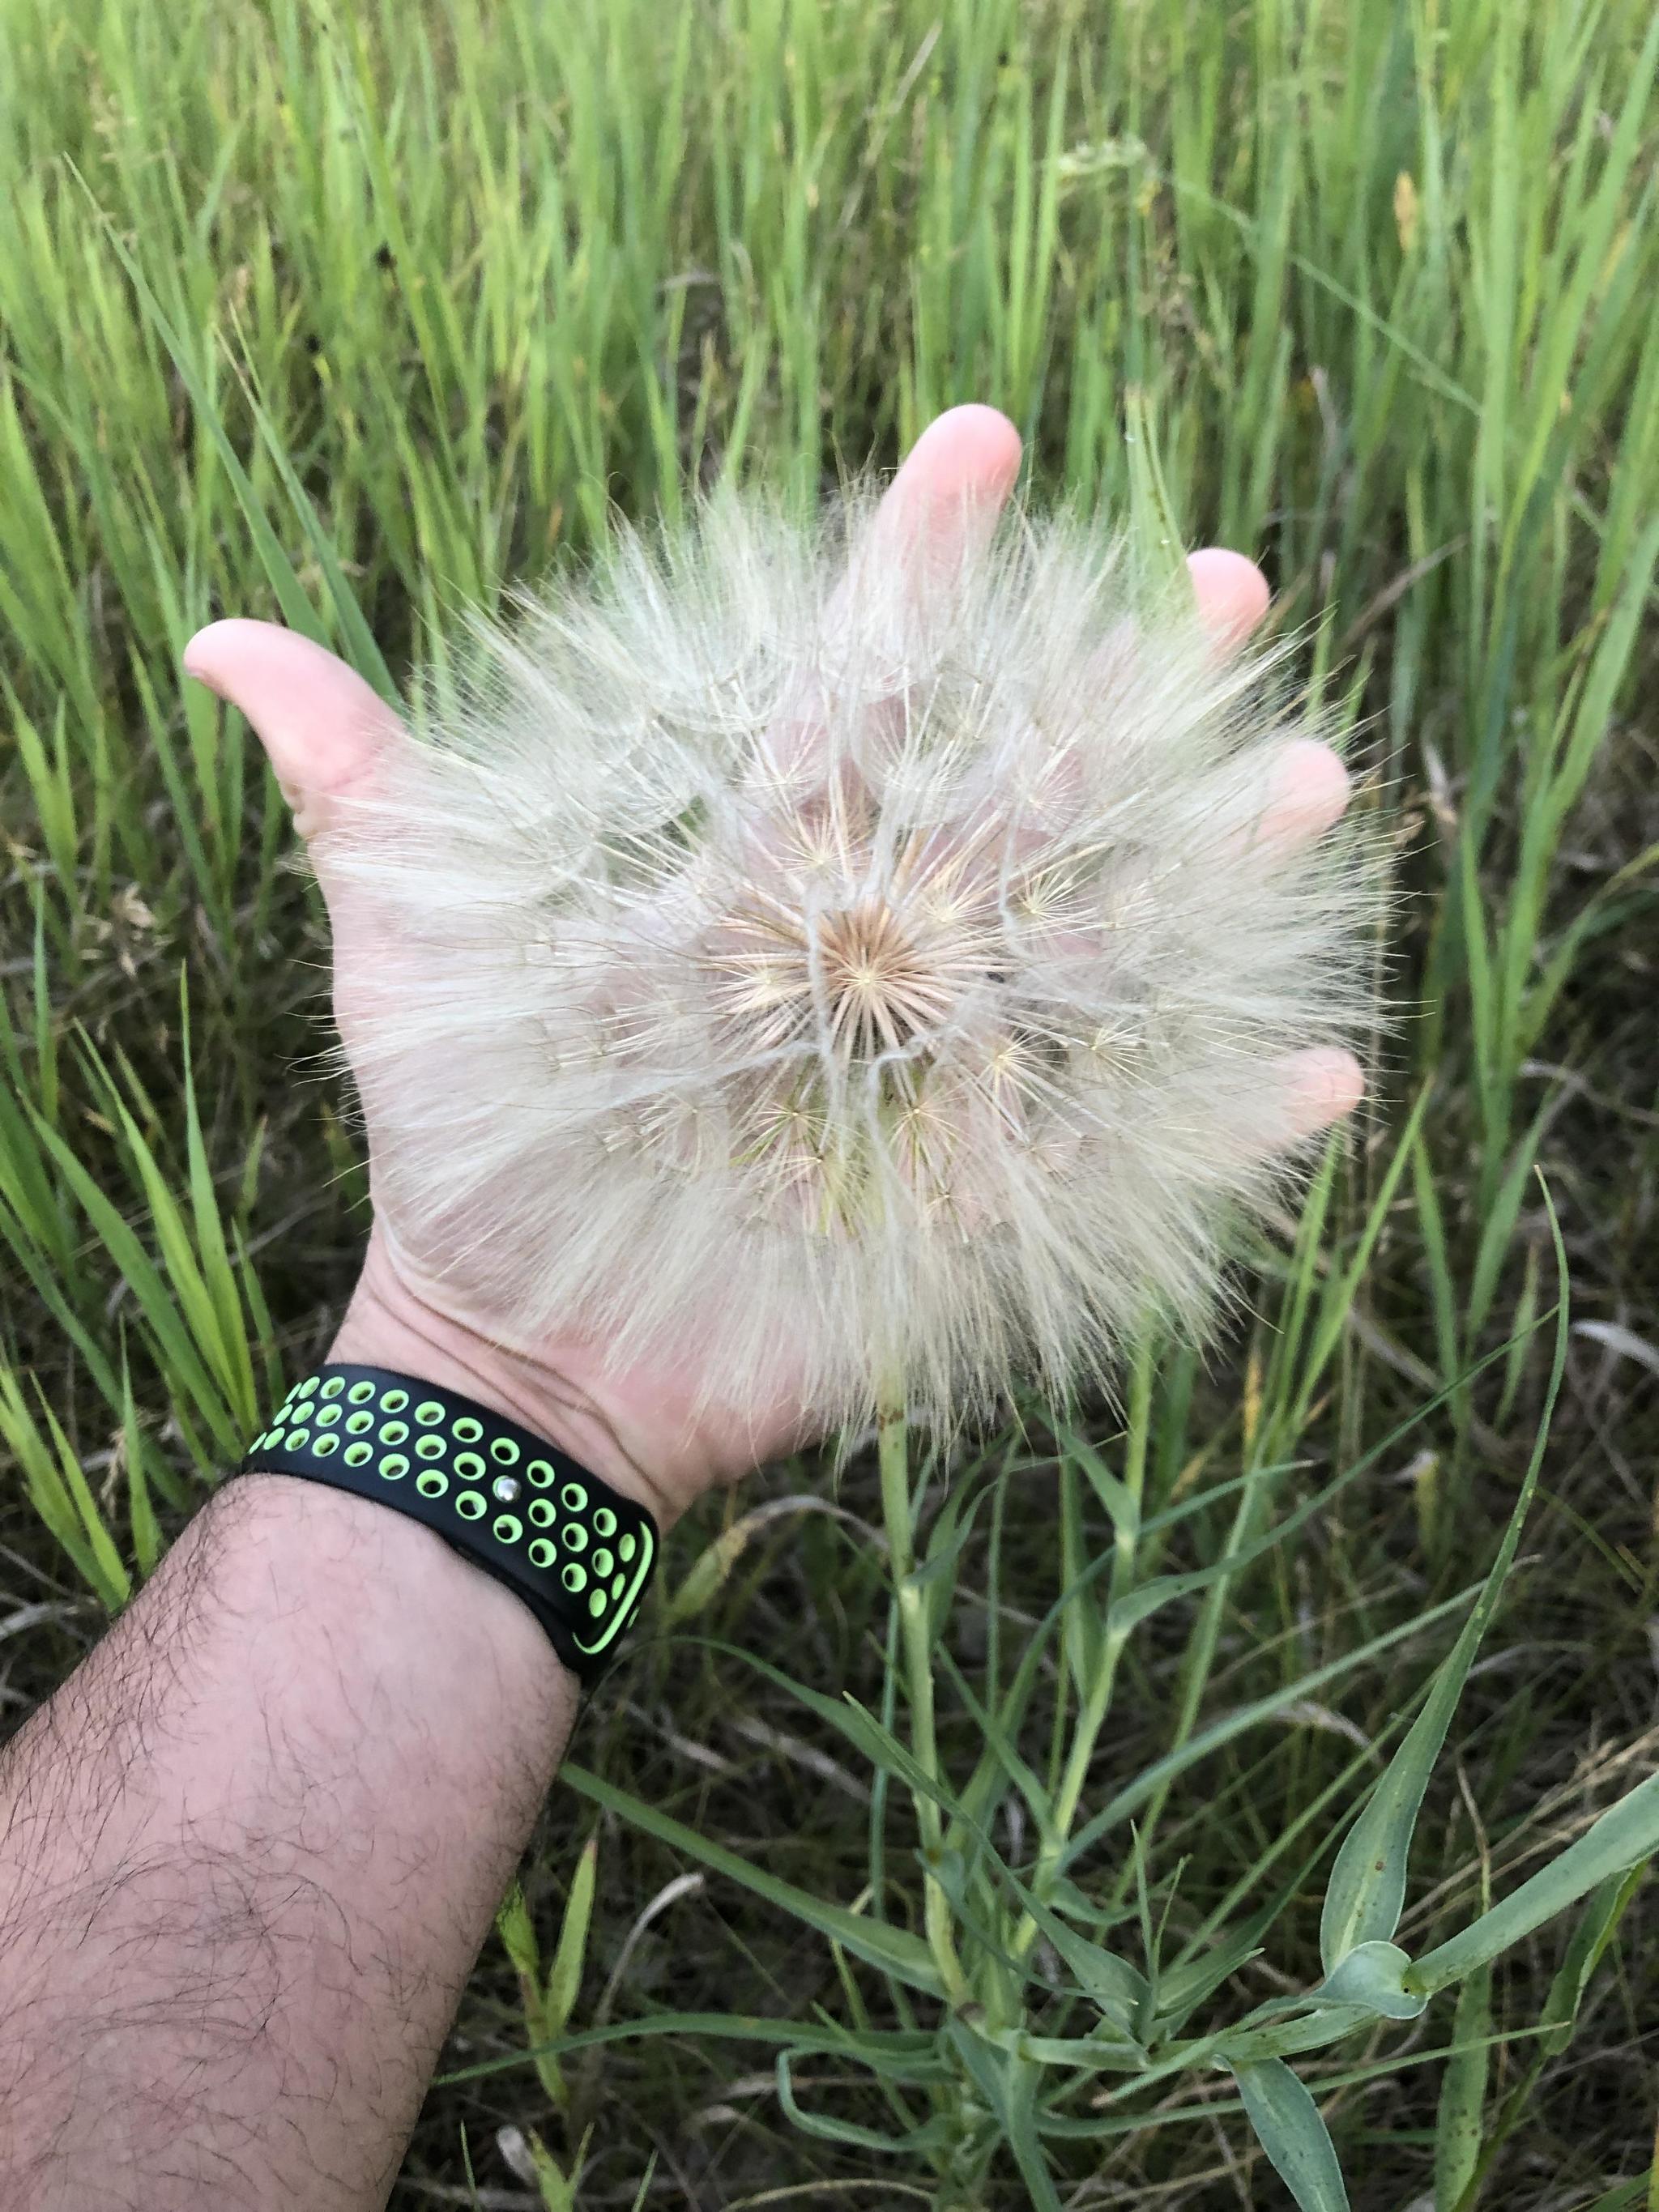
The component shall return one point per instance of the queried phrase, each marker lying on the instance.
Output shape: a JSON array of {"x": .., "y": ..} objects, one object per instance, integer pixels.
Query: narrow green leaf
[
  {"x": 894, "y": 1950},
  {"x": 1458, "y": 2130},
  {"x": 146, "y": 1531},
  {"x": 212, "y": 1247},
  {"x": 362, "y": 648},
  {"x": 1146, "y": 1785},
  {"x": 1627, "y": 1834},
  {"x": 1373, "y": 1975},
  {"x": 183, "y": 1363},
  {"x": 894, "y": 2054},
  {"x": 1367, "y": 1888},
  {"x": 710, "y": 1570},
  {"x": 1288, "y": 2127},
  {"x": 109, "y": 1576},
  {"x": 919, "y": 2142},
  {"x": 1009, "y": 2087},
  {"x": 43, "y": 1480},
  {"x": 851, "y": 1720},
  {"x": 1116, "y": 1496},
  {"x": 518, "y": 1934},
  {"x": 564, "y": 1976},
  {"x": 1337, "y": 1302},
  {"x": 1152, "y": 518},
  {"x": 296, "y": 608},
  {"x": 1118, "y": 1989},
  {"x": 1597, "y": 1926}
]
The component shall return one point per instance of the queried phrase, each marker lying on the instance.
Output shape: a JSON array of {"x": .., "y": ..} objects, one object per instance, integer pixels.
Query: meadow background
[{"x": 351, "y": 316}]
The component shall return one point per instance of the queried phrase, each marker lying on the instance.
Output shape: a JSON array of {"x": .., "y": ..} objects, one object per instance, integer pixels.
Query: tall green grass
[{"x": 1118, "y": 1815}]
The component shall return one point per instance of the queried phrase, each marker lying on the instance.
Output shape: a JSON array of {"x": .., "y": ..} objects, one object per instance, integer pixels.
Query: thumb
[{"x": 321, "y": 725}]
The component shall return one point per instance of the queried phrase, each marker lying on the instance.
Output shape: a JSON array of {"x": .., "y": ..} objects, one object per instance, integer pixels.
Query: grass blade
[{"x": 1366, "y": 1892}]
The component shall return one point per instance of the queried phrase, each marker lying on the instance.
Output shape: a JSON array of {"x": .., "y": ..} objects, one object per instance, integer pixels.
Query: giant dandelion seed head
[{"x": 870, "y": 977}]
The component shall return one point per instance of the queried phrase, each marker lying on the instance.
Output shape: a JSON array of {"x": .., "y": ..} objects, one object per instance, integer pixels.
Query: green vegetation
[{"x": 348, "y": 317}]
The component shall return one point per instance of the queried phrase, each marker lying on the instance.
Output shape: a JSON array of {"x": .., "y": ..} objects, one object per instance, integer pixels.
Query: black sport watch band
[{"x": 578, "y": 1553}]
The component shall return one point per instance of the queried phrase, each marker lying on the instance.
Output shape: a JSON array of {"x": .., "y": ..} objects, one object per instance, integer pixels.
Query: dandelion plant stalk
[
  {"x": 861, "y": 991},
  {"x": 896, "y": 987},
  {"x": 893, "y": 1432}
]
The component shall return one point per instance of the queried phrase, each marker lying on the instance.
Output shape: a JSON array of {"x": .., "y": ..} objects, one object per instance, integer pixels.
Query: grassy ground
[{"x": 349, "y": 316}]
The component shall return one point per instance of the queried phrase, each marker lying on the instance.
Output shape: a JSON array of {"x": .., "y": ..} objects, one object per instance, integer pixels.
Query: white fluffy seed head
[{"x": 855, "y": 976}]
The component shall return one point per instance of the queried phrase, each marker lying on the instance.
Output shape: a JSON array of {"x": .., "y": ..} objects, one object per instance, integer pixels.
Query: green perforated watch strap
[{"x": 577, "y": 1551}]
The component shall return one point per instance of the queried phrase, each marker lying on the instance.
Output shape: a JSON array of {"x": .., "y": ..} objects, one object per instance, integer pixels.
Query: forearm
[{"x": 248, "y": 1854}]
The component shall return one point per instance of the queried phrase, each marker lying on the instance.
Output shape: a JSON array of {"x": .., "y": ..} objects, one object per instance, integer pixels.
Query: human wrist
[
  {"x": 392, "y": 1322},
  {"x": 274, "y": 1815},
  {"x": 392, "y": 1603}
]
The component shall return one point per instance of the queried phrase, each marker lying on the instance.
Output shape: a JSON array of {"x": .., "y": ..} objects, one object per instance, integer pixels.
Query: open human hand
[{"x": 652, "y": 1427}]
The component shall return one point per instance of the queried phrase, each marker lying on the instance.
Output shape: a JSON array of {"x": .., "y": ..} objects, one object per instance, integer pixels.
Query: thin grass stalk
[
  {"x": 893, "y": 1432},
  {"x": 1097, "y": 1695}
]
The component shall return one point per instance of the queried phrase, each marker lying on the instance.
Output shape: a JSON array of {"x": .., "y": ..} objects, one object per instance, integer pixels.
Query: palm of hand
[{"x": 328, "y": 734}]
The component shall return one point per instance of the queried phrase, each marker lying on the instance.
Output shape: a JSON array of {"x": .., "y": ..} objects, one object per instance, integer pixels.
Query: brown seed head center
[{"x": 881, "y": 989}]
